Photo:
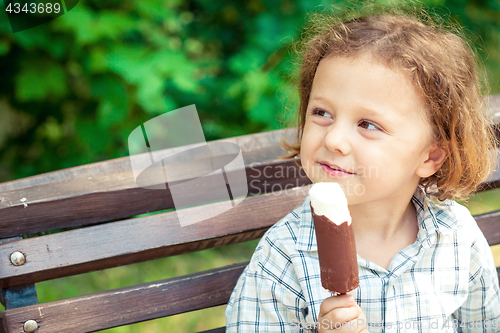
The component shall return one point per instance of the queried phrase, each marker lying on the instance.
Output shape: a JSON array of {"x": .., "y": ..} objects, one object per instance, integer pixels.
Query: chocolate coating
[{"x": 337, "y": 255}]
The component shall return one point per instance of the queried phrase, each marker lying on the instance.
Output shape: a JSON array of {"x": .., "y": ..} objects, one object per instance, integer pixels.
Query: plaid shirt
[{"x": 444, "y": 282}]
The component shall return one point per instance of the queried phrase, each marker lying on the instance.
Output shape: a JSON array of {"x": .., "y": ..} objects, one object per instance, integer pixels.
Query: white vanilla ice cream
[{"x": 328, "y": 199}]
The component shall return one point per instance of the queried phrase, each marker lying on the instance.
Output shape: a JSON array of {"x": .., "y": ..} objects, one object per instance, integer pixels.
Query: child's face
[{"x": 366, "y": 130}]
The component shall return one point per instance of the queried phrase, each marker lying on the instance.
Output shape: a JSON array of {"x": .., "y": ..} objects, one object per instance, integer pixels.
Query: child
[{"x": 390, "y": 109}]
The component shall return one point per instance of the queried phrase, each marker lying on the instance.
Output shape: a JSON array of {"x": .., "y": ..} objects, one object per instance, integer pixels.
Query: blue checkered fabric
[{"x": 444, "y": 282}]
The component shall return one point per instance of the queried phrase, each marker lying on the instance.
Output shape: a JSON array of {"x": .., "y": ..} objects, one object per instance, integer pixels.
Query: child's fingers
[
  {"x": 339, "y": 316},
  {"x": 334, "y": 302},
  {"x": 342, "y": 314}
]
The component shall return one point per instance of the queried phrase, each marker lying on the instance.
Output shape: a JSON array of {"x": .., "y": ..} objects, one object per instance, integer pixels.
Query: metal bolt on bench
[
  {"x": 17, "y": 258},
  {"x": 30, "y": 326}
]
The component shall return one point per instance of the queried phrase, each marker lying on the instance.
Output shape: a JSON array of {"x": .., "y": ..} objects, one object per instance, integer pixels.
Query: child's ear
[{"x": 437, "y": 154}]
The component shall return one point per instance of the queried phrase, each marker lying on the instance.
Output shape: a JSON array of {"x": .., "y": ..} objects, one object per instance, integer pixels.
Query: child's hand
[{"x": 341, "y": 313}]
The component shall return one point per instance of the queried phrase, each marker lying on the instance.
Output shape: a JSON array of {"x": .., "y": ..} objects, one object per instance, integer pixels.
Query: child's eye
[
  {"x": 322, "y": 113},
  {"x": 368, "y": 125}
]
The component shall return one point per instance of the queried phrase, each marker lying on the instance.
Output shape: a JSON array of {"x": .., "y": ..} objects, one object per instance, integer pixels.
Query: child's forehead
[
  {"x": 370, "y": 56},
  {"x": 368, "y": 60},
  {"x": 373, "y": 58}
]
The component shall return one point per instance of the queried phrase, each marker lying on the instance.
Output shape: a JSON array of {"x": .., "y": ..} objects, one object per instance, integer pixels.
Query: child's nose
[{"x": 337, "y": 139}]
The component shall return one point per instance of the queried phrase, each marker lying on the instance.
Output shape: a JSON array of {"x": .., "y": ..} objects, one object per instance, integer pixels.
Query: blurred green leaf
[
  {"x": 90, "y": 27},
  {"x": 114, "y": 104},
  {"x": 51, "y": 130},
  {"x": 130, "y": 62},
  {"x": 38, "y": 80},
  {"x": 4, "y": 46},
  {"x": 265, "y": 111}
]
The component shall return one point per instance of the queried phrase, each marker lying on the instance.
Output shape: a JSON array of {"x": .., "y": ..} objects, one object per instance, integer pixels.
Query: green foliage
[
  {"x": 28, "y": 85},
  {"x": 89, "y": 77},
  {"x": 481, "y": 22}
]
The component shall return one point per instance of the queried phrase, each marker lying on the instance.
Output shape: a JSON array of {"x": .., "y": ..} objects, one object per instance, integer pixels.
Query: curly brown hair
[{"x": 442, "y": 67}]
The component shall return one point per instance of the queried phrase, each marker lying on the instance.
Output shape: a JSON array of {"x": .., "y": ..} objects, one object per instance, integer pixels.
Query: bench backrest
[{"x": 88, "y": 211}]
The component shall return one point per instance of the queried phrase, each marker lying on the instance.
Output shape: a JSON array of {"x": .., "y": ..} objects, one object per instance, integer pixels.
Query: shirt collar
[
  {"x": 306, "y": 240},
  {"x": 433, "y": 217}
]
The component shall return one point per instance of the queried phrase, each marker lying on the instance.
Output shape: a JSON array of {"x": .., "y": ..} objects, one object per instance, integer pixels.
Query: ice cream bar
[{"x": 335, "y": 238}]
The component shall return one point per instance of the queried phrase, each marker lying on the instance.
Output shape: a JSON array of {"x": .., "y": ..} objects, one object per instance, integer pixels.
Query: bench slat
[
  {"x": 489, "y": 224},
  {"x": 129, "y": 305},
  {"x": 110, "y": 197},
  {"x": 71, "y": 208},
  {"x": 130, "y": 241},
  {"x": 255, "y": 148},
  {"x": 132, "y": 304},
  {"x": 119, "y": 243}
]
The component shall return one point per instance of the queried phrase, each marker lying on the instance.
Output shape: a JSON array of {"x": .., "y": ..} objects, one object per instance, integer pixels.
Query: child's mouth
[{"x": 334, "y": 170}]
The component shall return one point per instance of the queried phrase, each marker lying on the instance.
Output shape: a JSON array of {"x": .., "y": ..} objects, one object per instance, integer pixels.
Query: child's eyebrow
[
  {"x": 319, "y": 98},
  {"x": 373, "y": 111},
  {"x": 379, "y": 112}
]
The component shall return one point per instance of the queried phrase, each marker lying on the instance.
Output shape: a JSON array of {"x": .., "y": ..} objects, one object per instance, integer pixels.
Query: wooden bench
[{"x": 92, "y": 206}]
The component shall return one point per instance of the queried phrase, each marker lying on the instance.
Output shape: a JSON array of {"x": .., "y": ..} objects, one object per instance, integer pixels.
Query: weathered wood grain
[
  {"x": 490, "y": 226},
  {"x": 134, "y": 240},
  {"x": 113, "y": 196},
  {"x": 129, "y": 305},
  {"x": 255, "y": 148}
]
